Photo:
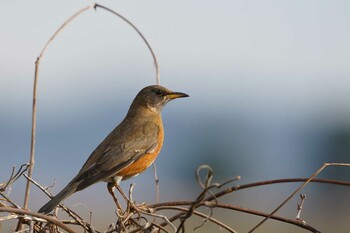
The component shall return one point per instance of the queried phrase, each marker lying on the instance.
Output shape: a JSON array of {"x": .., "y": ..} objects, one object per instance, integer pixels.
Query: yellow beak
[{"x": 175, "y": 95}]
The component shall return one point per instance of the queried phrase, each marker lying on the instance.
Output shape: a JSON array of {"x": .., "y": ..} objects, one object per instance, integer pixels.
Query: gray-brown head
[{"x": 154, "y": 98}]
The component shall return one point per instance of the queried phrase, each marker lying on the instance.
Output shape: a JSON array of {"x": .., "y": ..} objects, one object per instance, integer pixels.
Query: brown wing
[{"x": 121, "y": 148}]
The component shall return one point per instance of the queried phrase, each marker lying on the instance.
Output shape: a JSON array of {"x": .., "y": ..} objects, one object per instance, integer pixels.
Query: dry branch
[
  {"x": 36, "y": 76},
  {"x": 33, "y": 214},
  {"x": 298, "y": 190},
  {"x": 229, "y": 190}
]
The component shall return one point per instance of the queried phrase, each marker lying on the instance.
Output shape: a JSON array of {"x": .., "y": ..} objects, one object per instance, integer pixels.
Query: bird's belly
[
  {"x": 143, "y": 162},
  {"x": 138, "y": 166}
]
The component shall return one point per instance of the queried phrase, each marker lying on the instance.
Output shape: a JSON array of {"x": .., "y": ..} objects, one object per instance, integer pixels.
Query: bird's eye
[{"x": 159, "y": 93}]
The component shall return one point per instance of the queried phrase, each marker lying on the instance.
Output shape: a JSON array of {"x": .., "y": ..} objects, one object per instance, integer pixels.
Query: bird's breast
[{"x": 145, "y": 160}]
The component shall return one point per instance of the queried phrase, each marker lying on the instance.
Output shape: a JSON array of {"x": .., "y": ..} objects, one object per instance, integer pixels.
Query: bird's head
[{"x": 155, "y": 97}]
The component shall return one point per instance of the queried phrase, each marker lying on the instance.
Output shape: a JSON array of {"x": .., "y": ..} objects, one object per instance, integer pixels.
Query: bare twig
[
  {"x": 140, "y": 34},
  {"x": 36, "y": 75},
  {"x": 200, "y": 214},
  {"x": 174, "y": 205},
  {"x": 152, "y": 214},
  {"x": 128, "y": 223},
  {"x": 208, "y": 178},
  {"x": 71, "y": 213},
  {"x": 300, "y": 206},
  {"x": 8, "y": 217},
  {"x": 10, "y": 201},
  {"x": 279, "y": 181},
  {"x": 204, "y": 185},
  {"x": 207, "y": 186},
  {"x": 156, "y": 180},
  {"x": 160, "y": 227},
  {"x": 30, "y": 213},
  {"x": 37, "y": 64},
  {"x": 298, "y": 190},
  {"x": 8, "y": 182},
  {"x": 275, "y": 217},
  {"x": 14, "y": 176},
  {"x": 209, "y": 199},
  {"x": 85, "y": 207},
  {"x": 38, "y": 185}
]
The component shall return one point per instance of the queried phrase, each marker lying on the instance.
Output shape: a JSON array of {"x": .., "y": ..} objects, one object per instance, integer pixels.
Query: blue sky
[{"x": 269, "y": 85}]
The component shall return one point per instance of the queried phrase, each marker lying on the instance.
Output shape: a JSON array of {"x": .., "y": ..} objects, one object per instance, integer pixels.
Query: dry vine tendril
[{"x": 137, "y": 218}]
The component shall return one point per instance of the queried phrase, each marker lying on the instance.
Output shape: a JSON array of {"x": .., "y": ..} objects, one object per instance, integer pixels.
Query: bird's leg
[
  {"x": 111, "y": 187},
  {"x": 122, "y": 193},
  {"x": 116, "y": 181},
  {"x": 128, "y": 202}
]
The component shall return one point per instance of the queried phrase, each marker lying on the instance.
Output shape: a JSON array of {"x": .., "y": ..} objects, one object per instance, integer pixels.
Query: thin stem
[
  {"x": 156, "y": 206},
  {"x": 250, "y": 185},
  {"x": 156, "y": 180},
  {"x": 297, "y": 190},
  {"x": 47, "y": 218},
  {"x": 259, "y": 213},
  {"x": 200, "y": 214},
  {"x": 37, "y": 64},
  {"x": 300, "y": 206},
  {"x": 140, "y": 34},
  {"x": 236, "y": 208},
  {"x": 36, "y": 75}
]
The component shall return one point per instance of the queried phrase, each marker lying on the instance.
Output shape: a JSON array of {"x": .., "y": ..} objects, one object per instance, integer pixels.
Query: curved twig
[
  {"x": 210, "y": 198},
  {"x": 33, "y": 132},
  {"x": 275, "y": 217},
  {"x": 297, "y": 190},
  {"x": 236, "y": 208},
  {"x": 37, "y": 63},
  {"x": 140, "y": 34},
  {"x": 279, "y": 181},
  {"x": 14, "y": 176},
  {"x": 250, "y": 185}
]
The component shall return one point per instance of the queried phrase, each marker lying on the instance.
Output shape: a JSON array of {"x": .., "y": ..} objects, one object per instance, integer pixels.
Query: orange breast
[{"x": 144, "y": 161}]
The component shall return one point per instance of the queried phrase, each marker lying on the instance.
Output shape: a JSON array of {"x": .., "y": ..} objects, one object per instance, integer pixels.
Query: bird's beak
[{"x": 175, "y": 95}]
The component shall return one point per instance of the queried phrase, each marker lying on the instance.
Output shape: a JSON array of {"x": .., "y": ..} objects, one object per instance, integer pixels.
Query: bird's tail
[{"x": 67, "y": 191}]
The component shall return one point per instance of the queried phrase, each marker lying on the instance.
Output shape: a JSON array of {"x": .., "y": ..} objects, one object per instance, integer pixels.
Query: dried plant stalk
[{"x": 36, "y": 75}]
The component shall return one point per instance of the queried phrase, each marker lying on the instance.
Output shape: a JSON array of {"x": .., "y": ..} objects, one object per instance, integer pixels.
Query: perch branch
[
  {"x": 71, "y": 213},
  {"x": 200, "y": 214},
  {"x": 42, "y": 216}
]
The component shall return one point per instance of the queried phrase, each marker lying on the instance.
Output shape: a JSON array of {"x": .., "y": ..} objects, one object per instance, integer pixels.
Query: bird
[{"x": 128, "y": 150}]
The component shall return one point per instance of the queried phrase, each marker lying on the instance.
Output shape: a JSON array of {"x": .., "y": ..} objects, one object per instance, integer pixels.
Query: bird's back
[{"x": 128, "y": 150}]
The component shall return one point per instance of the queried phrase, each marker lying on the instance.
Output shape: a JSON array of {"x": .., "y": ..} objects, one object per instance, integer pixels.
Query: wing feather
[{"x": 118, "y": 151}]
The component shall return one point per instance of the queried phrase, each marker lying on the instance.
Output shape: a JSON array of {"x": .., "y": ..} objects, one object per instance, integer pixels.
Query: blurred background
[{"x": 270, "y": 93}]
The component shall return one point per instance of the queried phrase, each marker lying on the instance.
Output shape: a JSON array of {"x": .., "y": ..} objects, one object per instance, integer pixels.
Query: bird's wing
[
  {"x": 122, "y": 150},
  {"x": 101, "y": 149}
]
